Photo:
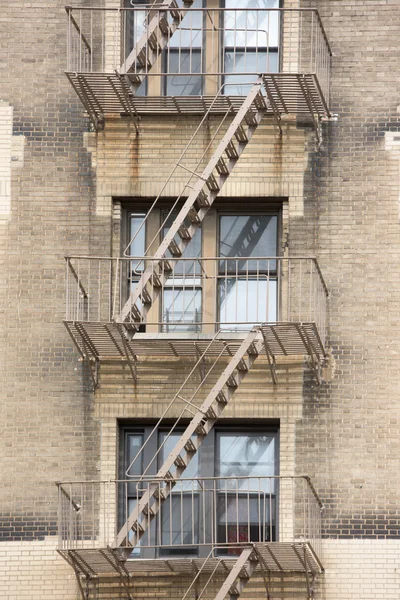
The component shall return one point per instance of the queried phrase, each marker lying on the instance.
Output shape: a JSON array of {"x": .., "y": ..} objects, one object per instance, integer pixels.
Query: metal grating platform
[
  {"x": 105, "y": 341},
  {"x": 281, "y": 557},
  {"x": 289, "y": 339},
  {"x": 105, "y": 94}
]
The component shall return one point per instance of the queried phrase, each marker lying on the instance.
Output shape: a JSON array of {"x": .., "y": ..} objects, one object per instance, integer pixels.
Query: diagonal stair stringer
[
  {"x": 239, "y": 575},
  {"x": 161, "y": 26},
  {"x": 156, "y": 492}
]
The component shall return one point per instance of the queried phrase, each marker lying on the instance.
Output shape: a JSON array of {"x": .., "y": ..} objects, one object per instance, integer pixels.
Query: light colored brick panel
[
  {"x": 131, "y": 165},
  {"x": 361, "y": 569},
  {"x": 34, "y": 571},
  {"x": 6, "y": 117}
]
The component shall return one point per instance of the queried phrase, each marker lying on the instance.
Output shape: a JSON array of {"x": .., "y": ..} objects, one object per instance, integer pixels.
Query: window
[
  {"x": 182, "y": 297},
  {"x": 134, "y": 25},
  {"x": 247, "y": 286},
  {"x": 246, "y": 508},
  {"x": 184, "y": 55},
  {"x": 251, "y": 42},
  {"x": 136, "y": 236},
  {"x": 235, "y": 291},
  {"x": 228, "y": 494}
]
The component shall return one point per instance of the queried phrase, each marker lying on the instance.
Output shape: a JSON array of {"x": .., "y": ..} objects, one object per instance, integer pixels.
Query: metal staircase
[
  {"x": 204, "y": 419},
  {"x": 200, "y": 199},
  {"x": 160, "y": 28},
  {"x": 239, "y": 576}
]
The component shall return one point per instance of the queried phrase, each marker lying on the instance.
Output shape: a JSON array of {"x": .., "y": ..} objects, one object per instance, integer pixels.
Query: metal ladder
[
  {"x": 204, "y": 419},
  {"x": 200, "y": 199},
  {"x": 159, "y": 30}
]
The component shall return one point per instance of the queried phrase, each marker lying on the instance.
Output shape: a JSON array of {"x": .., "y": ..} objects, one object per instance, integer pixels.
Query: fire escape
[{"x": 110, "y": 320}]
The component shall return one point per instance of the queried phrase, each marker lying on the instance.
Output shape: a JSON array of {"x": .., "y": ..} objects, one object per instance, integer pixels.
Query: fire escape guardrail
[
  {"x": 201, "y": 294},
  {"x": 188, "y": 53},
  {"x": 220, "y": 512}
]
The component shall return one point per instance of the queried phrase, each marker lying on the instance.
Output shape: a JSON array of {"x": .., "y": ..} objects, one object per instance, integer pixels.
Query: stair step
[
  {"x": 154, "y": 42},
  {"x": 221, "y": 398},
  {"x": 201, "y": 428},
  {"x": 190, "y": 447},
  {"x": 252, "y": 351},
  {"x": 143, "y": 59},
  {"x": 222, "y": 168},
  {"x": 240, "y": 135},
  {"x": 136, "y": 313},
  {"x": 180, "y": 462},
  {"x": 174, "y": 249},
  {"x": 165, "y": 266},
  {"x": 176, "y": 14},
  {"x": 135, "y": 78},
  {"x": 137, "y": 527},
  {"x": 145, "y": 296},
  {"x": 193, "y": 216},
  {"x": 161, "y": 493},
  {"x": 183, "y": 232},
  {"x": 231, "y": 151},
  {"x": 250, "y": 118},
  {"x": 259, "y": 102},
  {"x": 212, "y": 184},
  {"x": 156, "y": 280},
  {"x": 232, "y": 382},
  {"x": 242, "y": 366},
  {"x": 164, "y": 27},
  {"x": 202, "y": 200},
  {"x": 148, "y": 511},
  {"x": 211, "y": 414}
]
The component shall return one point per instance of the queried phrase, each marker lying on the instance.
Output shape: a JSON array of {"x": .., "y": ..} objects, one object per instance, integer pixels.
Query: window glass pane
[
  {"x": 190, "y": 32},
  {"x": 248, "y": 455},
  {"x": 243, "y": 303},
  {"x": 242, "y": 235},
  {"x": 254, "y": 62},
  {"x": 182, "y": 308},
  {"x": 137, "y": 247},
  {"x": 193, "y": 250},
  {"x": 179, "y": 521},
  {"x": 191, "y": 471},
  {"x": 184, "y": 61},
  {"x": 246, "y": 507},
  {"x": 134, "y": 27},
  {"x": 251, "y": 28},
  {"x": 134, "y": 443},
  {"x": 180, "y": 513},
  {"x": 245, "y": 517}
]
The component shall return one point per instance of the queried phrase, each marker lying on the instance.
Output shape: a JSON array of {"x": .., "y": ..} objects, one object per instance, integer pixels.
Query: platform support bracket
[{"x": 271, "y": 360}]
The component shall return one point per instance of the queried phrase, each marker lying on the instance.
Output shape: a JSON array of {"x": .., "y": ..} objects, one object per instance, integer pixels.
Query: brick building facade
[{"x": 315, "y": 181}]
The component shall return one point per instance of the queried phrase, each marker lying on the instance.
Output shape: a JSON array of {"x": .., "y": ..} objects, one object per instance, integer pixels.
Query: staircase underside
[
  {"x": 105, "y": 341},
  {"x": 277, "y": 557},
  {"x": 105, "y": 94}
]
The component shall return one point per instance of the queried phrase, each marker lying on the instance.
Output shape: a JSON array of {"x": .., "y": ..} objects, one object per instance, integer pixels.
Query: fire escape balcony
[
  {"x": 204, "y": 524},
  {"x": 199, "y": 301},
  {"x": 184, "y": 60}
]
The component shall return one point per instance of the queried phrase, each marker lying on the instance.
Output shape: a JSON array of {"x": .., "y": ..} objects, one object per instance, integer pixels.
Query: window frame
[
  {"x": 201, "y": 49},
  {"x": 254, "y": 210},
  {"x": 207, "y": 462},
  {"x": 267, "y": 49}
]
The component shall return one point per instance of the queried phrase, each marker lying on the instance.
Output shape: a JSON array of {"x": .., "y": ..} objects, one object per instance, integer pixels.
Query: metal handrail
[
  {"x": 211, "y": 478},
  {"x": 215, "y": 512},
  {"x": 150, "y": 259}
]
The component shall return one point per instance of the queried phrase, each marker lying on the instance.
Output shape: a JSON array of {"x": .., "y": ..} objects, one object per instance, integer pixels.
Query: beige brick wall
[
  {"x": 354, "y": 569},
  {"x": 135, "y": 166}
]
